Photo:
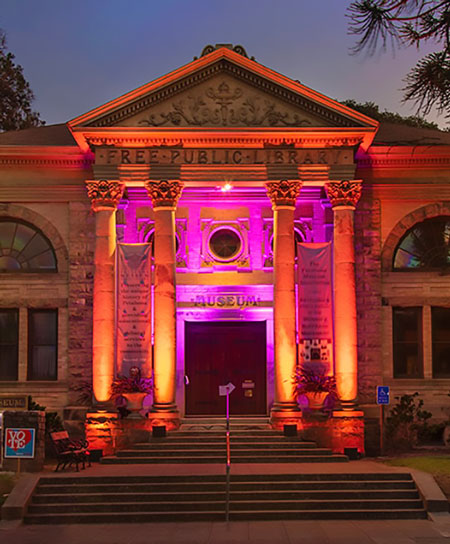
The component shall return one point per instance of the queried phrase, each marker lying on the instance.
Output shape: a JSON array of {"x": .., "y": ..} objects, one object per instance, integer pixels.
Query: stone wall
[
  {"x": 368, "y": 296},
  {"x": 81, "y": 274}
]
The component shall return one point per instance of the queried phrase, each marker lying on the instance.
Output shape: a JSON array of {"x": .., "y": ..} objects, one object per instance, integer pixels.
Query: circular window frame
[{"x": 231, "y": 258}]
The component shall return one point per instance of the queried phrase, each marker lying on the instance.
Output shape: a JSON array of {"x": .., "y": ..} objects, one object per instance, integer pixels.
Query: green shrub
[
  {"x": 406, "y": 422},
  {"x": 53, "y": 422}
]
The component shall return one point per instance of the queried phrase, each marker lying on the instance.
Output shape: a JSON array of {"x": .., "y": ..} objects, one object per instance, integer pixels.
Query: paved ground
[
  {"x": 436, "y": 531},
  {"x": 261, "y": 532}
]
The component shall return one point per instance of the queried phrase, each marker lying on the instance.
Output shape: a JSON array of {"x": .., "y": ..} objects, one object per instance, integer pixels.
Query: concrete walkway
[
  {"x": 254, "y": 532},
  {"x": 435, "y": 531}
]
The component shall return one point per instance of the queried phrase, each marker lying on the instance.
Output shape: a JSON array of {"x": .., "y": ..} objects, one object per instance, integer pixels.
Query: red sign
[{"x": 19, "y": 443}]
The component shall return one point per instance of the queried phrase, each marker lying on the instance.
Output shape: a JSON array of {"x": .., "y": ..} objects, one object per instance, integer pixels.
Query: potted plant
[
  {"x": 133, "y": 387},
  {"x": 315, "y": 386}
]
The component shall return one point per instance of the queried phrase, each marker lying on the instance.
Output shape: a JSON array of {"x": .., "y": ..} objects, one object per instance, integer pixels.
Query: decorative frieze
[
  {"x": 224, "y": 105},
  {"x": 343, "y": 193},
  {"x": 284, "y": 192},
  {"x": 104, "y": 193},
  {"x": 164, "y": 193}
]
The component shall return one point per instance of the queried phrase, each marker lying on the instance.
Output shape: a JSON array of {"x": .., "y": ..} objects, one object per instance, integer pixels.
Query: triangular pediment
[{"x": 223, "y": 89}]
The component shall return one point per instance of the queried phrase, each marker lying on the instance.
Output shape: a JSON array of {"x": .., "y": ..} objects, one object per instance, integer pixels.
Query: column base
[
  {"x": 171, "y": 420},
  {"x": 103, "y": 406},
  {"x": 280, "y": 417},
  {"x": 106, "y": 431},
  {"x": 348, "y": 405},
  {"x": 344, "y": 429}
]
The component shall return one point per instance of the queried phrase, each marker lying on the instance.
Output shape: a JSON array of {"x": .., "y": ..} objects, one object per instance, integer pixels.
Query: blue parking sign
[{"x": 382, "y": 394}]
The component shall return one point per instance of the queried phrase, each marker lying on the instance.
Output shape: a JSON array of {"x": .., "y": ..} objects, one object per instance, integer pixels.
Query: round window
[{"x": 225, "y": 244}]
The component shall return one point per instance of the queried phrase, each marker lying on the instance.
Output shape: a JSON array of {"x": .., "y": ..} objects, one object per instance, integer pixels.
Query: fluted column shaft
[
  {"x": 164, "y": 195},
  {"x": 105, "y": 196},
  {"x": 344, "y": 196}
]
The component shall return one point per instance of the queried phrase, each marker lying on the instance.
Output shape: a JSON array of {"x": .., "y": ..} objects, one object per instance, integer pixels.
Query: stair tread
[{"x": 155, "y": 512}]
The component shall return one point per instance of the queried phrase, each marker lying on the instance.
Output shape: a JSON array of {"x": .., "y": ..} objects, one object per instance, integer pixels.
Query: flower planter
[
  {"x": 134, "y": 402},
  {"x": 316, "y": 399}
]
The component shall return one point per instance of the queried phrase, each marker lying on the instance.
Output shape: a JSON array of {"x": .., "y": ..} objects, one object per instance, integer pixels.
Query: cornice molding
[
  {"x": 223, "y": 137},
  {"x": 405, "y": 157},
  {"x": 45, "y": 156},
  {"x": 421, "y": 162},
  {"x": 77, "y": 164}
]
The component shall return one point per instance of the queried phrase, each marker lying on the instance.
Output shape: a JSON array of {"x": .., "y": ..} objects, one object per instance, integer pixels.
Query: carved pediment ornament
[
  {"x": 164, "y": 193},
  {"x": 343, "y": 193},
  {"x": 284, "y": 192},
  {"x": 104, "y": 193},
  {"x": 224, "y": 106}
]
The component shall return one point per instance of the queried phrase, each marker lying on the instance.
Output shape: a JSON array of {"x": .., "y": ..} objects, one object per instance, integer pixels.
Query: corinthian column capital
[
  {"x": 104, "y": 193},
  {"x": 343, "y": 193},
  {"x": 283, "y": 193},
  {"x": 164, "y": 193}
]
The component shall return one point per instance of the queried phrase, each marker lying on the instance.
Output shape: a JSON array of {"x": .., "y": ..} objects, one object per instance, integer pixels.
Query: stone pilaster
[
  {"x": 283, "y": 195},
  {"x": 105, "y": 196},
  {"x": 164, "y": 196},
  {"x": 344, "y": 196}
]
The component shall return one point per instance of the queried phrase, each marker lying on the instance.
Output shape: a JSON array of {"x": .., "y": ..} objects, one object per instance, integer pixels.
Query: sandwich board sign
[{"x": 19, "y": 443}]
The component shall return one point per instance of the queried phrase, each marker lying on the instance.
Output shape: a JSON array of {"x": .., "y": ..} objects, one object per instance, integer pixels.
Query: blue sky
[{"x": 80, "y": 54}]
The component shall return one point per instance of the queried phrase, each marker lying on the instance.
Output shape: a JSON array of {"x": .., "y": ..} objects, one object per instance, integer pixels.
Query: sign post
[
  {"x": 382, "y": 401},
  {"x": 225, "y": 390}
]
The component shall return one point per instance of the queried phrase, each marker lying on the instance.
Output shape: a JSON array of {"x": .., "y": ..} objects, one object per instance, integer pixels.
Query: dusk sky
[{"x": 80, "y": 54}]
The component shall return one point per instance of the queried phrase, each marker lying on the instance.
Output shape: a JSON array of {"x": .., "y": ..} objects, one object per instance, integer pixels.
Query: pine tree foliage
[
  {"x": 373, "y": 110},
  {"x": 397, "y": 23},
  {"x": 16, "y": 95}
]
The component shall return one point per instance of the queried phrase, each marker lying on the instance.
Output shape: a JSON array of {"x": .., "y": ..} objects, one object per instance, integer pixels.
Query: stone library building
[{"x": 225, "y": 224}]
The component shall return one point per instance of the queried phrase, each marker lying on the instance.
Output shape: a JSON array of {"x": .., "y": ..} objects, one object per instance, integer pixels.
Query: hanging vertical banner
[
  {"x": 315, "y": 310},
  {"x": 134, "y": 308}
]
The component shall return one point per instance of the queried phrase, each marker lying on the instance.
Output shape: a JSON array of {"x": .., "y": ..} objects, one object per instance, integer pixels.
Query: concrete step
[
  {"x": 237, "y": 445},
  {"x": 358, "y": 477},
  {"x": 207, "y": 487},
  {"x": 208, "y": 515},
  {"x": 208, "y": 458},
  {"x": 219, "y": 506},
  {"x": 123, "y": 499},
  {"x": 205, "y": 451},
  {"x": 235, "y": 495}
]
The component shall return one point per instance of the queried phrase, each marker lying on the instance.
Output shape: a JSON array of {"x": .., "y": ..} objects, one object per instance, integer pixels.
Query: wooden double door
[{"x": 220, "y": 352}]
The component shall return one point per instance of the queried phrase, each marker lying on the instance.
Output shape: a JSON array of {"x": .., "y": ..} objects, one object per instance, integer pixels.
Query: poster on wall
[
  {"x": 134, "y": 308},
  {"x": 315, "y": 309}
]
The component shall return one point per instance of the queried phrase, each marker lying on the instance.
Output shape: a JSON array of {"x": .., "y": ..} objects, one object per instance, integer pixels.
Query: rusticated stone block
[
  {"x": 342, "y": 430},
  {"x": 107, "y": 432}
]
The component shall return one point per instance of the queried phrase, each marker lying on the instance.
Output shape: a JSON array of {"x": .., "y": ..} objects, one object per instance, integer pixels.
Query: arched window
[
  {"x": 150, "y": 239},
  {"x": 426, "y": 246},
  {"x": 24, "y": 248}
]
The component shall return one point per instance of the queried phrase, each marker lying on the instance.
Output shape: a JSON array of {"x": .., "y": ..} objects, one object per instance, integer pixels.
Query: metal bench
[{"x": 69, "y": 452}]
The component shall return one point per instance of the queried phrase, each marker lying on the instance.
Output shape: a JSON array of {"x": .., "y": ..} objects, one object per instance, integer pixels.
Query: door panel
[{"x": 222, "y": 352}]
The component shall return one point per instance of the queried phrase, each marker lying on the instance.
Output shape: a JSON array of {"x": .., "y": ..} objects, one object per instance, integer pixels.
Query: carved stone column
[
  {"x": 283, "y": 195},
  {"x": 105, "y": 196},
  {"x": 344, "y": 196},
  {"x": 164, "y": 195}
]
